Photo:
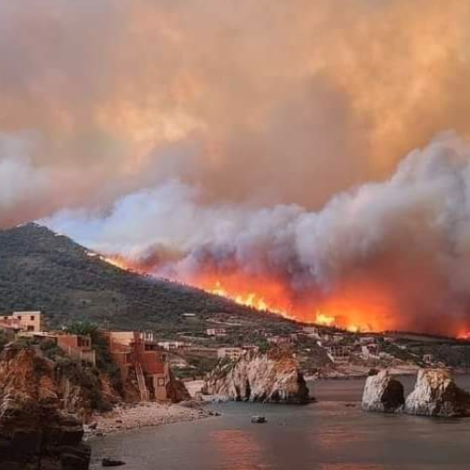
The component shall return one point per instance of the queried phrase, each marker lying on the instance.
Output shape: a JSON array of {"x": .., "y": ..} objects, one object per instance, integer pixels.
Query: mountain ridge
[{"x": 42, "y": 270}]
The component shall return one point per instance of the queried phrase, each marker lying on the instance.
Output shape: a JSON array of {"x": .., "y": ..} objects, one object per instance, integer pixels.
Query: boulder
[
  {"x": 274, "y": 377},
  {"x": 436, "y": 394},
  {"x": 258, "y": 420},
  {"x": 383, "y": 393},
  {"x": 112, "y": 463}
]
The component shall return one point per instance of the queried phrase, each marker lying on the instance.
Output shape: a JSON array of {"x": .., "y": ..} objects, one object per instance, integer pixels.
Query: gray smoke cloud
[
  {"x": 406, "y": 238},
  {"x": 235, "y": 125},
  {"x": 282, "y": 102}
]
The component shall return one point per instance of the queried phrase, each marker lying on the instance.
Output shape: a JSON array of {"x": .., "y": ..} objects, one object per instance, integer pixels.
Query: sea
[{"x": 331, "y": 434}]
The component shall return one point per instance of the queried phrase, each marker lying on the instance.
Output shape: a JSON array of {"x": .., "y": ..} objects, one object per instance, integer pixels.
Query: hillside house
[
  {"x": 216, "y": 332},
  {"x": 172, "y": 345},
  {"x": 139, "y": 356},
  {"x": 22, "y": 321},
  {"x": 77, "y": 347},
  {"x": 281, "y": 341},
  {"x": 338, "y": 354}
]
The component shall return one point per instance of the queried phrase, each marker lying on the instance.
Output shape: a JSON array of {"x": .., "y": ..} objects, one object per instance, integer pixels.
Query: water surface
[{"x": 328, "y": 435}]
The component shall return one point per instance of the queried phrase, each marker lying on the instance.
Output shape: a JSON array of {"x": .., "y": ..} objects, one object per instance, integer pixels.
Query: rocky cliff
[
  {"x": 436, "y": 394},
  {"x": 34, "y": 431},
  {"x": 383, "y": 393},
  {"x": 273, "y": 377}
]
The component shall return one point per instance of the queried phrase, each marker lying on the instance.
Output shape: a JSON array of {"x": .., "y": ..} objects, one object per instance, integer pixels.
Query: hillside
[{"x": 40, "y": 270}]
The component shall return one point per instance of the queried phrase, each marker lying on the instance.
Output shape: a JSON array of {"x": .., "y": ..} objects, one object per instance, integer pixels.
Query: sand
[{"x": 131, "y": 417}]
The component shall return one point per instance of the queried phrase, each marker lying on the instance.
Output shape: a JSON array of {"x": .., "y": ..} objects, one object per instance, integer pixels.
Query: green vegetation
[{"x": 40, "y": 270}]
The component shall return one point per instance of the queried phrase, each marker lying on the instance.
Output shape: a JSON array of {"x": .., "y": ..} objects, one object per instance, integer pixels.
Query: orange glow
[
  {"x": 122, "y": 263},
  {"x": 326, "y": 320},
  {"x": 359, "y": 307}
]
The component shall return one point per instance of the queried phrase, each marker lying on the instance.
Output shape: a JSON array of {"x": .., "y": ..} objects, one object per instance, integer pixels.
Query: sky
[{"x": 314, "y": 144}]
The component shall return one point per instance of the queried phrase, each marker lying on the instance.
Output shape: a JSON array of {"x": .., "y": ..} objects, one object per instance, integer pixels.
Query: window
[
  {"x": 19, "y": 317},
  {"x": 32, "y": 317},
  {"x": 30, "y": 328}
]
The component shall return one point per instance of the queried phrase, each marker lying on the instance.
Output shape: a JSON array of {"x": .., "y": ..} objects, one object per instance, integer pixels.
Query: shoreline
[{"x": 142, "y": 415}]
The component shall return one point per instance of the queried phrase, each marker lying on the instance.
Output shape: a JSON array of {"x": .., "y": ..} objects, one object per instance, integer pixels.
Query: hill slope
[{"x": 40, "y": 270}]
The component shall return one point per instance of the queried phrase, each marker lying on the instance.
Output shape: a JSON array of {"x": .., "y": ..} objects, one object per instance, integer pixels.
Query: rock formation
[
  {"x": 436, "y": 394},
  {"x": 34, "y": 432},
  {"x": 383, "y": 393},
  {"x": 273, "y": 377},
  {"x": 176, "y": 390}
]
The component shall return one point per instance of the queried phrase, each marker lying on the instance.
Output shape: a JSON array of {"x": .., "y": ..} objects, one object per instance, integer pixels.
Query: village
[{"x": 147, "y": 358}]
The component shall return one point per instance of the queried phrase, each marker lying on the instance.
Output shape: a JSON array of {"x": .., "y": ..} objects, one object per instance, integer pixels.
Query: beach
[{"x": 142, "y": 415}]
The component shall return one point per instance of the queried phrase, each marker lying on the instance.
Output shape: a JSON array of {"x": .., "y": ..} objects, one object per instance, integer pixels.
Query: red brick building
[{"x": 137, "y": 353}]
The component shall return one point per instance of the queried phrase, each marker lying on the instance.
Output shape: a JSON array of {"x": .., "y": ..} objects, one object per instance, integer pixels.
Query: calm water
[{"x": 327, "y": 435}]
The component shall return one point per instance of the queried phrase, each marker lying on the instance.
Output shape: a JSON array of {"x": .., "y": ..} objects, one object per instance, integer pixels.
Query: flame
[
  {"x": 248, "y": 299},
  {"x": 358, "y": 308},
  {"x": 325, "y": 320},
  {"x": 117, "y": 262},
  {"x": 355, "y": 310},
  {"x": 122, "y": 263}
]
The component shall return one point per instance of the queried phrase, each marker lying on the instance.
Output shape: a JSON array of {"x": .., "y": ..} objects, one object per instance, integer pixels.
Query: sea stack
[
  {"x": 383, "y": 393},
  {"x": 436, "y": 394},
  {"x": 273, "y": 377}
]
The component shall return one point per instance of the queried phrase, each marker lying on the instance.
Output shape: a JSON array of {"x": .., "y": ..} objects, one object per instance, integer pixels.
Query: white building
[
  {"x": 172, "y": 345},
  {"x": 216, "y": 332}
]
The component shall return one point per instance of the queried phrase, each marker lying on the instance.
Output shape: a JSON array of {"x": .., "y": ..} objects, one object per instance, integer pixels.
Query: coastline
[{"x": 150, "y": 414}]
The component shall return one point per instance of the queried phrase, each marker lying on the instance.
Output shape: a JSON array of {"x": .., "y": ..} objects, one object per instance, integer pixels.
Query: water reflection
[
  {"x": 349, "y": 466},
  {"x": 338, "y": 436},
  {"x": 238, "y": 450}
]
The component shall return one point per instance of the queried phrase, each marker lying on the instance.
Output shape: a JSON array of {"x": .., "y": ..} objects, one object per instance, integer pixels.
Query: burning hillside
[
  {"x": 307, "y": 157},
  {"x": 389, "y": 255}
]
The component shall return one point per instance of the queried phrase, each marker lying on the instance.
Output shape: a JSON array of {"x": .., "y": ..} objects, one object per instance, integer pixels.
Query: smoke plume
[
  {"x": 205, "y": 137},
  {"x": 398, "y": 250}
]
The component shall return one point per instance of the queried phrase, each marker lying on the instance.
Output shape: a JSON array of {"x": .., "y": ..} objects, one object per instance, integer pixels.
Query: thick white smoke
[
  {"x": 208, "y": 134},
  {"x": 409, "y": 236}
]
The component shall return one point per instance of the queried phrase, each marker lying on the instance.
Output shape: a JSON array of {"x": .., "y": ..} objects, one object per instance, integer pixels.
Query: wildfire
[
  {"x": 359, "y": 308},
  {"x": 352, "y": 314},
  {"x": 249, "y": 299},
  {"x": 119, "y": 262}
]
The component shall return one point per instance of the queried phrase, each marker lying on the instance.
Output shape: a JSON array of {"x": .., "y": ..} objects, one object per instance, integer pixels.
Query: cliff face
[
  {"x": 34, "y": 432},
  {"x": 273, "y": 377},
  {"x": 436, "y": 394}
]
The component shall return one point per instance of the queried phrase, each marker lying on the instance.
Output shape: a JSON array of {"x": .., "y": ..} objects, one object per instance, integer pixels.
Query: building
[
  {"x": 22, "y": 321},
  {"x": 201, "y": 351},
  {"x": 216, "y": 332},
  {"x": 139, "y": 357},
  {"x": 189, "y": 316},
  {"x": 370, "y": 351},
  {"x": 172, "y": 345},
  {"x": 338, "y": 353},
  {"x": 77, "y": 347},
  {"x": 232, "y": 354},
  {"x": 312, "y": 332},
  {"x": 281, "y": 341}
]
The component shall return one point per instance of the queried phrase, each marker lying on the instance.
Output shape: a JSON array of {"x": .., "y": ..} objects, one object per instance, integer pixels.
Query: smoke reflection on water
[{"x": 237, "y": 450}]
